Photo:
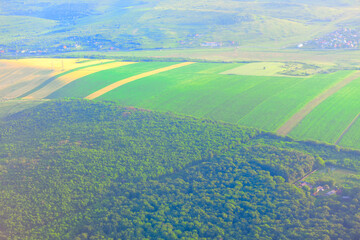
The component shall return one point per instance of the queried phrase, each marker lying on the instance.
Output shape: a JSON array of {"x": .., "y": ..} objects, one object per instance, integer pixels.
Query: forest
[{"x": 81, "y": 169}]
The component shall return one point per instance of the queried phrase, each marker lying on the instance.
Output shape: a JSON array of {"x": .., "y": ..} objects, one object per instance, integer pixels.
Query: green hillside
[
  {"x": 94, "y": 170},
  {"x": 114, "y": 25}
]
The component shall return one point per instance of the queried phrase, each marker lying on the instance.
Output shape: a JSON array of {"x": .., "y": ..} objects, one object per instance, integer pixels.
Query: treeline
[{"x": 78, "y": 169}]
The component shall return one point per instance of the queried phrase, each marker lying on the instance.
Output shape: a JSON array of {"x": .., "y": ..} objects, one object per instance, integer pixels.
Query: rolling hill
[{"x": 114, "y": 25}]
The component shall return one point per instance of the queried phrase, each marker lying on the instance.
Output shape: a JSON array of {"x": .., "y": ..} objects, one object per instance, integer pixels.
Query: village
[
  {"x": 85, "y": 43},
  {"x": 344, "y": 38}
]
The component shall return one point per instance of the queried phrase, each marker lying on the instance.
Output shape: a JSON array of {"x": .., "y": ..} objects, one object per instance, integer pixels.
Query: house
[
  {"x": 318, "y": 189},
  {"x": 302, "y": 184},
  {"x": 332, "y": 192}
]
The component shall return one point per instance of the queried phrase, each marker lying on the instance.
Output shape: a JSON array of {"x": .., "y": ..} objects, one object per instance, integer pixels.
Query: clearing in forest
[
  {"x": 133, "y": 78},
  {"x": 63, "y": 80},
  {"x": 310, "y": 106}
]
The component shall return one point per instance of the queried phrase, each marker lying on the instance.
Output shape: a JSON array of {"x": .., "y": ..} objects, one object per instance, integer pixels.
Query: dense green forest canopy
[{"x": 76, "y": 169}]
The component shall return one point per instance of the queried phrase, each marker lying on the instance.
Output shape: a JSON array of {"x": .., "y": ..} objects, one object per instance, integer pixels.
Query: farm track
[
  {"x": 133, "y": 78},
  {"x": 300, "y": 115},
  {"x": 70, "y": 77},
  {"x": 347, "y": 129}
]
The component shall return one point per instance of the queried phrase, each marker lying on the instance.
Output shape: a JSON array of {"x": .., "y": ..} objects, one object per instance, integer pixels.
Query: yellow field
[
  {"x": 20, "y": 76},
  {"x": 70, "y": 77},
  {"x": 133, "y": 78},
  {"x": 54, "y": 64}
]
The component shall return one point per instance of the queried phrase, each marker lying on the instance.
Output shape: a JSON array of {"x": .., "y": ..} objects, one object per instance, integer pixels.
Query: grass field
[
  {"x": 332, "y": 117},
  {"x": 342, "y": 178},
  {"x": 258, "y": 69}
]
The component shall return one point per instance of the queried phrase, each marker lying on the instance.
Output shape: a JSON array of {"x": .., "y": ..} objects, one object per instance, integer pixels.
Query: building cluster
[
  {"x": 321, "y": 190},
  {"x": 344, "y": 38}
]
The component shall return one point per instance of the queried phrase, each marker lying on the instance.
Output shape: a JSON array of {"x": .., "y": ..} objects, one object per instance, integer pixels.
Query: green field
[
  {"x": 264, "y": 102},
  {"x": 275, "y": 111},
  {"x": 197, "y": 90},
  {"x": 352, "y": 137},
  {"x": 341, "y": 177},
  {"x": 258, "y": 69},
  {"x": 332, "y": 117}
]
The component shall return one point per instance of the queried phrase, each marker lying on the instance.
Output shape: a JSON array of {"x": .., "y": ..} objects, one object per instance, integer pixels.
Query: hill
[
  {"x": 64, "y": 26},
  {"x": 91, "y": 170}
]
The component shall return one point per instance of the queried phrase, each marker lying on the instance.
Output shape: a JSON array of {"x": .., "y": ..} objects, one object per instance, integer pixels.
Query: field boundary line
[
  {"x": 65, "y": 79},
  {"x": 133, "y": 78},
  {"x": 290, "y": 124},
  {"x": 56, "y": 74},
  {"x": 273, "y": 96},
  {"x": 347, "y": 129}
]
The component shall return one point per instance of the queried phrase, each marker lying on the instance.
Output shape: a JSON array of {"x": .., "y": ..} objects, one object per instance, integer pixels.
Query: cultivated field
[
  {"x": 134, "y": 78},
  {"x": 331, "y": 118},
  {"x": 258, "y": 69},
  {"x": 18, "y": 77},
  {"x": 324, "y": 106},
  {"x": 352, "y": 137},
  {"x": 63, "y": 80},
  {"x": 274, "y": 112},
  {"x": 87, "y": 85}
]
